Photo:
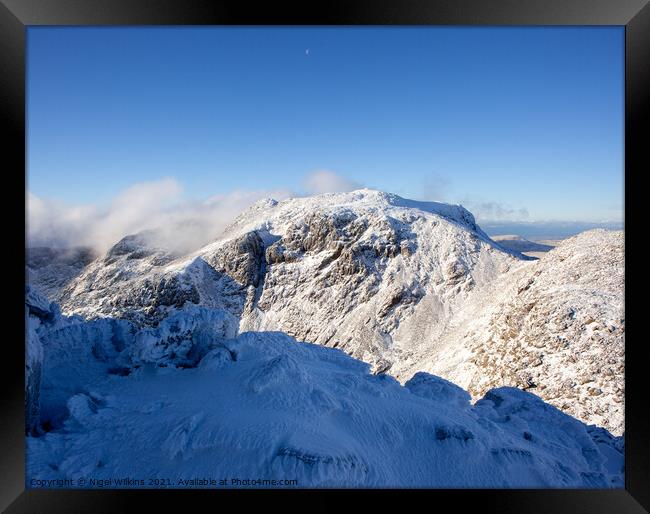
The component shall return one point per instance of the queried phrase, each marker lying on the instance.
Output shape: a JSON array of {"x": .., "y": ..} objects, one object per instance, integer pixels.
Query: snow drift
[
  {"x": 113, "y": 400},
  {"x": 403, "y": 285}
]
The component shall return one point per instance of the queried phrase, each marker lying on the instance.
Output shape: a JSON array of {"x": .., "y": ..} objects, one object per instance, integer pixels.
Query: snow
[
  {"x": 51, "y": 269},
  {"x": 37, "y": 303},
  {"x": 405, "y": 286},
  {"x": 260, "y": 405},
  {"x": 558, "y": 323},
  {"x": 183, "y": 338}
]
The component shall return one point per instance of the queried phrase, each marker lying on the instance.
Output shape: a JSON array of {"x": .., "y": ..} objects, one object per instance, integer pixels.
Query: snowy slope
[
  {"x": 405, "y": 286},
  {"x": 344, "y": 270},
  {"x": 554, "y": 326},
  {"x": 52, "y": 269},
  {"x": 263, "y": 406}
]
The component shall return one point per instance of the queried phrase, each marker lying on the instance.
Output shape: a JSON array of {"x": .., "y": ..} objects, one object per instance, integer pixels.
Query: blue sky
[{"x": 514, "y": 123}]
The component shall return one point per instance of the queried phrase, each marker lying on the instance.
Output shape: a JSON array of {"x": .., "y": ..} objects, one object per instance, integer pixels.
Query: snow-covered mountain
[
  {"x": 51, "y": 269},
  {"x": 367, "y": 272},
  {"x": 405, "y": 286},
  {"x": 188, "y": 402}
]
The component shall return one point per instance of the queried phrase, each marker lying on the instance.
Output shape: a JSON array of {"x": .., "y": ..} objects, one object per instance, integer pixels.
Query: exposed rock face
[
  {"x": 405, "y": 286},
  {"x": 243, "y": 260},
  {"x": 328, "y": 265},
  {"x": 562, "y": 334},
  {"x": 240, "y": 258}
]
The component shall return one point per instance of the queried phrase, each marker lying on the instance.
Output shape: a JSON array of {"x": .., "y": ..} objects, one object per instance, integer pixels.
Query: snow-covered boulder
[
  {"x": 183, "y": 338},
  {"x": 264, "y": 407},
  {"x": 76, "y": 357}
]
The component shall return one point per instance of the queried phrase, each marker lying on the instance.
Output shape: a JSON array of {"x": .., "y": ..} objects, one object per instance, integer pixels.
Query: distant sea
[{"x": 538, "y": 231}]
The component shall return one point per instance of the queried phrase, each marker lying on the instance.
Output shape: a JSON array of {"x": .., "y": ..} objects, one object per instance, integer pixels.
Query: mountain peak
[
  {"x": 394, "y": 282},
  {"x": 369, "y": 203}
]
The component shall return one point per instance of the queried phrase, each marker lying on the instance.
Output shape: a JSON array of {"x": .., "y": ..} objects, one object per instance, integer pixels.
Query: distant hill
[
  {"x": 550, "y": 230},
  {"x": 519, "y": 244}
]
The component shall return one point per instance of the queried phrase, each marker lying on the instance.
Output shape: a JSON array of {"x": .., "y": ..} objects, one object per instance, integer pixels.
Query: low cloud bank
[
  {"x": 180, "y": 224},
  {"x": 184, "y": 225}
]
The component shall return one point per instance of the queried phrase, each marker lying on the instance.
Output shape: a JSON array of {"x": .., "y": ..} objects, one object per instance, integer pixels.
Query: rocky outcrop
[
  {"x": 561, "y": 335},
  {"x": 405, "y": 286},
  {"x": 241, "y": 259},
  {"x": 182, "y": 339},
  {"x": 554, "y": 327}
]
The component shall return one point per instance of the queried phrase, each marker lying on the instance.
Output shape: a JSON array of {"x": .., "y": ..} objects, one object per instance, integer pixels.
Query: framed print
[{"x": 370, "y": 250}]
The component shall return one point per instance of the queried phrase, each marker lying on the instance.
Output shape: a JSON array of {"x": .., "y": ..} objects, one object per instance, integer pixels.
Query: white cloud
[
  {"x": 495, "y": 211},
  {"x": 180, "y": 223},
  {"x": 50, "y": 222},
  {"x": 138, "y": 207},
  {"x": 193, "y": 224},
  {"x": 325, "y": 181}
]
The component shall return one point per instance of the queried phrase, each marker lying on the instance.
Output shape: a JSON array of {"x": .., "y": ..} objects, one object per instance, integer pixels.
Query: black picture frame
[{"x": 17, "y": 15}]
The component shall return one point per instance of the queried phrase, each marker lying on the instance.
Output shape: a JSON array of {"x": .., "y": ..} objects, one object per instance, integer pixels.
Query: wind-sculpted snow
[
  {"x": 403, "y": 285},
  {"x": 263, "y": 406},
  {"x": 77, "y": 355},
  {"x": 183, "y": 338},
  {"x": 37, "y": 308}
]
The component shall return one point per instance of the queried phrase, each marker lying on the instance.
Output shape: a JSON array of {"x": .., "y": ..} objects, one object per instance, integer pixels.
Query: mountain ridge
[
  {"x": 346, "y": 248},
  {"x": 406, "y": 286}
]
